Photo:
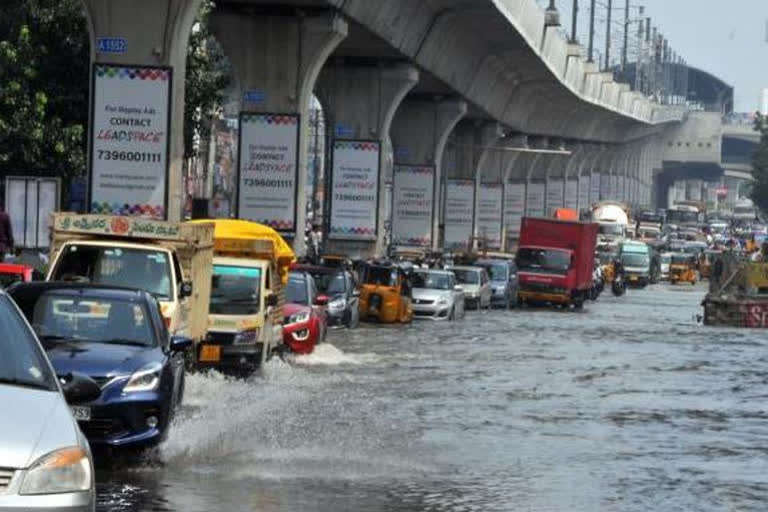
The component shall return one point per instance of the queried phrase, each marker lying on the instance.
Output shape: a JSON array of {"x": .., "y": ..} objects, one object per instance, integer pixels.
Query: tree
[
  {"x": 43, "y": 87},
  {"x": 208, "y": 75},
  {"x": 759, "y": 187}
]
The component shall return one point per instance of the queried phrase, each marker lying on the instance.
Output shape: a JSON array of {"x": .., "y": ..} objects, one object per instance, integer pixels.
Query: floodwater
[{"x": 630, "y": 405}]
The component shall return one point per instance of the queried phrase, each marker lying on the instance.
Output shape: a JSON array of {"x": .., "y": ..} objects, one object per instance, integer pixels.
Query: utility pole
[
  {"x": 608, "y": 36},
  {"x": 591, "y": 52},
  {"x": 626, "y": 37},
  {"x": 574, "y": 21}
]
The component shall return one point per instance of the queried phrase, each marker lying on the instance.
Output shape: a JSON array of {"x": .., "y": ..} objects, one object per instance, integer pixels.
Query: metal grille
[
  {"x": 221, "y": 338},
  {"x": 101, "y": 426},
  {"x": 6, "y": 475},
  {"x": 423, "y": 302}
]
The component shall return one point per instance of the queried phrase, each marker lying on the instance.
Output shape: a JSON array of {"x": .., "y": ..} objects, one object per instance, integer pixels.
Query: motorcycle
[{"x": 619, "y": 286}]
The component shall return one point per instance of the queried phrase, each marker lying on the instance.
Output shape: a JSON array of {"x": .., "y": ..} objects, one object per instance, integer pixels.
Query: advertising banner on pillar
[
  {"x": 514, "y": 208},
  {"x": 555, "y": 191},
  {"x": 268, "y": 169},
  {"x": 622, "y": 191},
  {"x": 490, "y": 208},
  {"x": 572, "y": 194},
  {"x": 534, "y": 202},
  {"x": 584, "y": 183},
  {"x": 594, "y": 188},
  {"x": 355, "y": 186},
  {"x": 129, "y": 144},
  {"x": 459, "y": 213},
  {"x": 413, "y": 198}
]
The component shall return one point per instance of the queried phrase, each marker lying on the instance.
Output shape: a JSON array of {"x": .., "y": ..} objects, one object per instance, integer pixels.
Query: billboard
[
  {"x": 267, "y": 169},
  {"x": 413, "y": 205},
  {"x": 459, "y": 213},
  {"x": 129, "y": 142},
  {"x": 514, "y": 209},
  {"x": 355, "y": 190},
  {"x": 490, "y": 205}
]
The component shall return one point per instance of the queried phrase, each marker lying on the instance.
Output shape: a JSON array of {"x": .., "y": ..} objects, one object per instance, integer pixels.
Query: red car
[
  {"x": 305, "y": 324},
  {"x": 12, "y": 273}
]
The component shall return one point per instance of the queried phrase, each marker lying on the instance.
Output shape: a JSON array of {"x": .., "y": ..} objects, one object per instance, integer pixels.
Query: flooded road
[{"x": 628, "y": 406}]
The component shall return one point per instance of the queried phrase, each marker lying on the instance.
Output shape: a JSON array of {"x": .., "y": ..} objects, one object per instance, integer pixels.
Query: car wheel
[{"x": 180, "y": 393}]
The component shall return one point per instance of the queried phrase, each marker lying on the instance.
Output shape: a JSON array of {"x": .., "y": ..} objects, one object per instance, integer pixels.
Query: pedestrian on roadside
[{"x": 6, "y": 233}]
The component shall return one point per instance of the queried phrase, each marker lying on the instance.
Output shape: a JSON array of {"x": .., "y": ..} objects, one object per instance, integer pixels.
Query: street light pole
[
  {"x": 608, "y": 36},
  {"x": 626, "y": 37},
  {"x": 591, "y": 52},
  {"x": 574, "y": 21}
]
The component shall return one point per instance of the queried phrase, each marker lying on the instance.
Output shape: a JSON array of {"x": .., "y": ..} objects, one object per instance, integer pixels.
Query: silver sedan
[
  {"x": 436, "y": 295},
  {"x": 45, "y": 462}
]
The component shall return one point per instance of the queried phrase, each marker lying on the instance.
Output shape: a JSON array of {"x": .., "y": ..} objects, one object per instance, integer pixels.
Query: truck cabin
[
  {"x": 635, "y": 259},
  {"x": 611, "y": 229},
  {"x": 544, "y": 260},
  {"x": 146, "y": 268}
]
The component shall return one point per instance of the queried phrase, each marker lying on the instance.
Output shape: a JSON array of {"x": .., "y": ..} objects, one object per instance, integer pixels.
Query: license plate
[
  {"x": 633, "y": 278},
  {"x": 81, "y": 413},
  {"x": 210, "y": 353}
]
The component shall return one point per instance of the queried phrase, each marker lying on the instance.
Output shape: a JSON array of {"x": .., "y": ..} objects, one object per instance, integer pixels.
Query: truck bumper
[
  {"x": 555, "y": 298},
  {"x": 232, "y": 358}
]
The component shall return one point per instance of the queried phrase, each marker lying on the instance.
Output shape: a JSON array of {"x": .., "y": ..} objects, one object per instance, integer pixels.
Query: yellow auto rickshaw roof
[{"x": 243, "y": 231}]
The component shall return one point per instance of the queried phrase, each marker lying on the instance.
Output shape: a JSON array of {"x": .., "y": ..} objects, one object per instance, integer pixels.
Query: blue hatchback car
[{"x": 117, "y": 337}]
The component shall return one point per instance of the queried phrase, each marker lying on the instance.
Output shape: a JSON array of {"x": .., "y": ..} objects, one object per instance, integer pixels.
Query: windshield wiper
[
  {"x": 24, "y": 383},
  {"x": 124, "y": 341}
]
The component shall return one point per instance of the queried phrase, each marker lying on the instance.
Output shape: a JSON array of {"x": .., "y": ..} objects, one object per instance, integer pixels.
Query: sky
[{"x": 727, "y": 38}]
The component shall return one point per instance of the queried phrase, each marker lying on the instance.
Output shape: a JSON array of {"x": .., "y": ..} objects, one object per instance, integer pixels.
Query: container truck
[
  {"x": 555, "y": 261},
  {"x": 612, "y": 218}
]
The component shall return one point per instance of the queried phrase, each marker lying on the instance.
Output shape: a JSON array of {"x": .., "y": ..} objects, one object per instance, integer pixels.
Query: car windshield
[
  {"x": 7, "y": 279},
  {"x": 330, "y": 283},
  {"x": 144, "y": 269},
  {"x": 23, "y": 362},
  {"x": 381, "y": 276},
  {"x": 91, "y": 319},
  {"x": 296, "y": 291},
  {"x": 466, "y": 276},
  {"x": 431, "y": 281},
  {"x": 235, "y": 290},
  {"x": 630, "y": 259},
  {"x": 496, "y": 271},
  {"x": 543, "y": 260},
  {"x": 611, "y": 229}
]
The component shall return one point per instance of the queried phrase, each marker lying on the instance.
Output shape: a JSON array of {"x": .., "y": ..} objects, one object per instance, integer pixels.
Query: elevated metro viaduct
[{"x": 488, "y": 91}]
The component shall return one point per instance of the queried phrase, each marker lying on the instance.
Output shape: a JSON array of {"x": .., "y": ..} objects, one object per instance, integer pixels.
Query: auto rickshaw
[
  {"x": 705, "y": 263},
  {"x": 682, "y": 269},
  {"x": 606, "y": 260},
  {"x": 385, "y": 294}
]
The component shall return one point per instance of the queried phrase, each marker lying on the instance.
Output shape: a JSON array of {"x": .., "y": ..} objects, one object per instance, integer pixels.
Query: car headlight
[
  {"x": 337, "y": 304},
  {"x": 145, "y": 379},
  {"x": 442, "y": 302},
  {"x": 248, "y": 337},
  {"x": 65, "y": 470},
  {"x": 298, "y": 318}
]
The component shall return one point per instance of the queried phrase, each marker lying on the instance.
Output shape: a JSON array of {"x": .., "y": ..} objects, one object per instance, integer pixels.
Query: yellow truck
[
  {"x": 168, "y": 259},
  {"x": 250, "y": 268}
]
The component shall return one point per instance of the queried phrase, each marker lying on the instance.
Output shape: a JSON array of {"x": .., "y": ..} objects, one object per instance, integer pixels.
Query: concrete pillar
[
  {"x": 571, "y": 176},
  {"x": 362, "y": 101},
  {"x": 487, "y": 136},
  {"x": 156, "y": 33},
  {"x": 514, "y": 192},
  {"x": 419, "y": 133},
  {"x": 280, "y": 57}
]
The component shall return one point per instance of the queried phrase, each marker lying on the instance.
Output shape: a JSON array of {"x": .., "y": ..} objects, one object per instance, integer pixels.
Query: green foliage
[
  {"x": 759, "y": 187},
  {"x": 208, "y": 75},
  {"x": 43, "y": 87}
]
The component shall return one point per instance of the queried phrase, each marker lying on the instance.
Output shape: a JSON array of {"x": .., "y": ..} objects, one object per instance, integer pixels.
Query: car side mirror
[
  {"x": 79, "y": 388},
  {"x": 180, "y": 343},
  {"x": 271, "y": 301},
  {"x": 186, "y": 289},
  {"x": 322, "y": 300}
]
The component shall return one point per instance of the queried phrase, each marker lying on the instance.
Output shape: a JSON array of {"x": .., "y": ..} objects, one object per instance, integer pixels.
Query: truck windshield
[
  {"x": 682, "y": 217},
  {"x": 235, "y": 290},
  {"x": 145, "y": 269},
  {"x": 630, "y": 259},
  {"x": 611, "y": 229},
  {"x": 543, "y": 260}
]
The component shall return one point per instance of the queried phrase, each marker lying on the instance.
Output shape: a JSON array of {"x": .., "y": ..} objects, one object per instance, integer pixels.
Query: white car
[
  {"x": 475, "y": 284},
  {"x": 45, "y": 459},
  {"x": 436, "y": 295}
]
